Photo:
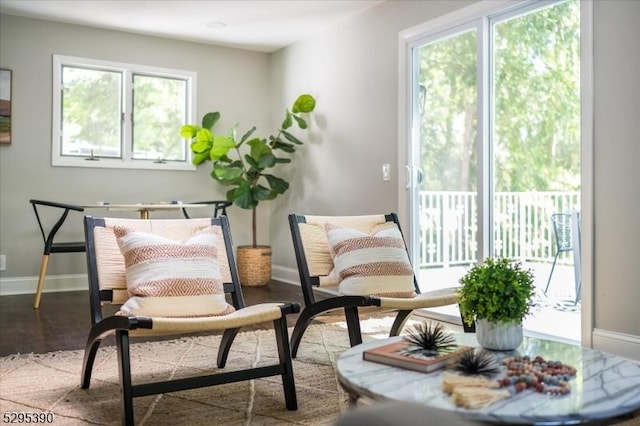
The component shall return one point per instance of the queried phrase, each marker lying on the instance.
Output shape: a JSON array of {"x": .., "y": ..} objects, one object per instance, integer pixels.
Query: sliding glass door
[{"x": 495, "y": 144}]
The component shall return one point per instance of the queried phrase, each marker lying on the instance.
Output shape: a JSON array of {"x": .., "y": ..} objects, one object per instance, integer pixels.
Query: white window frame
[
  {"x": 407, "y": 171},
  {"x": 127, "y": 161}
]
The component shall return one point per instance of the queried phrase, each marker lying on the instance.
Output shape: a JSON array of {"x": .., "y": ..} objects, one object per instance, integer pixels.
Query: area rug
[{"x": 50, "y": 382}]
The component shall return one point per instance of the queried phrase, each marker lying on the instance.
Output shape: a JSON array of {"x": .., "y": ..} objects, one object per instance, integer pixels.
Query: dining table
[{"x": 143, "y": 208}]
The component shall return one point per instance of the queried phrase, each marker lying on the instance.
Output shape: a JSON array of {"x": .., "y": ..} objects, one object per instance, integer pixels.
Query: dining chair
[
  {"x": 171, "y": 277},
  {"x": 49, "y": 235},
  {"x": 363, "y": 261},
  {"x": 219, "y": 207}
]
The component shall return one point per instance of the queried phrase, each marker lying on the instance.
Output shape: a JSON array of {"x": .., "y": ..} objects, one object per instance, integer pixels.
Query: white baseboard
[
  {"x": 285, "y": 274},
  {"x": 621, "y": 344},
  {"x": 52, "y": 284}
]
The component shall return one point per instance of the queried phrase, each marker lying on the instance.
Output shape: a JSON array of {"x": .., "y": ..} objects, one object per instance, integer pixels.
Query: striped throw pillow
[
  {"x": 159, "y": 267},
  {"x": 371, "y": 264}
]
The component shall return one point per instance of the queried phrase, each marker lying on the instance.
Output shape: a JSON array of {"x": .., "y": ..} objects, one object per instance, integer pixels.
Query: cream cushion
[
  {"x": 375, "y": 263},
  {"x": 169, "y": 278}
]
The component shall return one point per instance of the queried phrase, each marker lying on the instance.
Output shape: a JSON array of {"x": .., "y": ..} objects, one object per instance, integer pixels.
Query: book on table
[{"x": 398, "y": 354}]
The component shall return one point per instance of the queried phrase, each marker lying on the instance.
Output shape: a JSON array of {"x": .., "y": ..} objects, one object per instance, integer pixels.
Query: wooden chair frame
[
  {"x": 120, "y": 326},
  {"x": 350, "y": 304},
  {"x": 50, "y": 245}
]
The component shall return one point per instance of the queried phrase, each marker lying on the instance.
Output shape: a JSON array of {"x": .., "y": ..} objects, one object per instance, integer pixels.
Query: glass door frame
[{"x": 409, "y": 172}]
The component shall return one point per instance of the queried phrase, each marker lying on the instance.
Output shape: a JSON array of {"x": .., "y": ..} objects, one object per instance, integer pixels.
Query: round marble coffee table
[{"x": 606, "y": 386}]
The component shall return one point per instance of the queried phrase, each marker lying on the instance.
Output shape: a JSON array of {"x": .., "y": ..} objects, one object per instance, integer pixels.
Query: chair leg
[
  {"x": 284, "y": 353},
  {"x": 225, "y": 345},
  {"x": 353, "y": 325},
  {"x": 90, "y": 352},
  {"x": 298, "y": 330},
  {"x": 124, "y": 369},
  {"x": 399, "y": 322},
  {"x": 551, "y": 273},
  {"x": 43, "y": 271}
]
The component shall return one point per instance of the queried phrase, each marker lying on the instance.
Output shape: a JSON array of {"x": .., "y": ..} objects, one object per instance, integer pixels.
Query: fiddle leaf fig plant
[
  {"x": 498, "y": 290},
  {"x": 244, "y": 163}
]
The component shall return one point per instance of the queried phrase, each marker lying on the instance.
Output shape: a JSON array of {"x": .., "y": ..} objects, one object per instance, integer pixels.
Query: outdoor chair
[
  {"x": 59, "y": 211},
  {"x": 372, "y": 271},
  {"x": 172, "y": 277},
  {"x": 566, "y": 230},
  {"x": 562, "y": 233},
  {"x": 219, "y": 207}
]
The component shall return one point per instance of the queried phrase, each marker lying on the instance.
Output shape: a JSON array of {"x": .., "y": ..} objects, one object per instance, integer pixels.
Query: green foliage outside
[
  {"x": 92, "y": 106},
  {"x": 498, "y": 290},
  {"x": 536, "y": 114}
]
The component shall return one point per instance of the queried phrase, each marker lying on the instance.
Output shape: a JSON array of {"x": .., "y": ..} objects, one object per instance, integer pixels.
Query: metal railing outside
[{"x": 522, "y": 229}]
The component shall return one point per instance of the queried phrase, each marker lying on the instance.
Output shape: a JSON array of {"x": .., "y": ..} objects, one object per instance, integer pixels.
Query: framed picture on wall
[{"x": 5, "y": 106}]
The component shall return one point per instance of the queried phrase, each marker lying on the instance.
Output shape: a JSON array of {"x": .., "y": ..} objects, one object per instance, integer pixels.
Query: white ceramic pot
[{"x": 498, "y": 336}]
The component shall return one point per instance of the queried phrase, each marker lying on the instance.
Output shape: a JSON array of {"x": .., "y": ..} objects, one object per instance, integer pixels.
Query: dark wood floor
[{"x": 63, "y": 320}]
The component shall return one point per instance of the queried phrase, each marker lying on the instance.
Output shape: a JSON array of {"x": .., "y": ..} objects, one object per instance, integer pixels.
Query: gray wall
[
  {"x": 617, "y": 157},
  {"x": 233, "y": 81}
]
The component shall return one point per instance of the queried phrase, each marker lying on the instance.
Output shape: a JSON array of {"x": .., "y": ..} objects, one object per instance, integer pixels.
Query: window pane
[
  {"x": 91, "y": 111},
  {"x": 448, "y": 110},
  {"x": 159, "y": 111},
  {"x": 536, "y": 133}
]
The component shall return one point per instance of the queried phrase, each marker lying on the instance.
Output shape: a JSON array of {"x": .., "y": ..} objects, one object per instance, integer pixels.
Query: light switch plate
[{"x": 386, "y": 171}]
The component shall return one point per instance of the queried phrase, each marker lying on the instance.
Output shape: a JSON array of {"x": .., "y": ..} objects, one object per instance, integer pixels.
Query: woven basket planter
[{"x": 254, "y": 265}]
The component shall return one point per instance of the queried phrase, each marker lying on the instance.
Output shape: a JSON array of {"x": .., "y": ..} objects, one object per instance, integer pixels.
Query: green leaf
[
  {"x": 242, "y": 196},
  {"x": 210, "y": 119},
  {"x": 227, "y": 174},
  {"x": 287, "y": 120},
  {"x": 301, "y": 122},
  {"x": 200, "y": 158},
  {"x": 291, "y": 138},
  {"x": 221, "y": 146},
  {"x": 260, "y": 193},
  {"x": 286, "y": 147},
  {"x": 304, "y": 103},
  {"x": 283, "y": 160},
  {"x": 203, "y": 142},
  {"x": 266, "y": 161},
  {"x": 253, "y": 163},
  {"x": 278, "y": 185},
  {"x": 188, "y": 131},
  {"x": 259, "y": 148},
  {"x": 246, "y": 135}
]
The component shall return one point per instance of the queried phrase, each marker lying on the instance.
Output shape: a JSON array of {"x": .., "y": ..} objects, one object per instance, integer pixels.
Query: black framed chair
[
  {"x": 199, "y": 309},
  {"x": 566, "y": 231},
  {"x": 316, "y": 270},
  {"x": 49, "y": 235},
  {"x": 219, "y": 207},
  {"x": 561, "y": 223}
]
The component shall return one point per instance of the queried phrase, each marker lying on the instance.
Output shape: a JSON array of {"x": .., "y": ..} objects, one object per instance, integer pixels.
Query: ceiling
[{"x": 263, "y": 26}]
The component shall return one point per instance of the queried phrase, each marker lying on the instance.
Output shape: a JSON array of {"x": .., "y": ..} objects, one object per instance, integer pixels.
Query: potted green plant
[
  {"x": 245, "y": 165},
  {"x": 497, "y": 294}
]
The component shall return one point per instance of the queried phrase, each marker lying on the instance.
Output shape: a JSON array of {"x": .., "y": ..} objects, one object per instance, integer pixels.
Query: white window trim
[{"x": 126, "y": 162}]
